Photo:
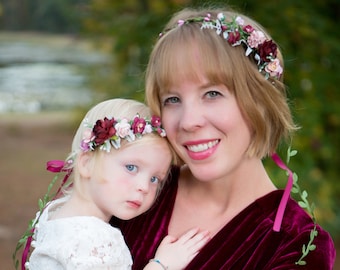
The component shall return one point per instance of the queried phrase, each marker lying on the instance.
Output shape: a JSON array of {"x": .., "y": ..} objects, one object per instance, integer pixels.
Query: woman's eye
[
  {"x": 170, "y": 100},
  {"x": 131, "y": 168},
  {"x": 213, "y": 94},
  {"x": 154, "y": 180}
]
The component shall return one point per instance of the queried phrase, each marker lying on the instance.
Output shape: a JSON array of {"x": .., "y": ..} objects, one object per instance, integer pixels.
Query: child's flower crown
[
  {"x": 263, "y": 51},
  {"x": 109, "y": 132}
]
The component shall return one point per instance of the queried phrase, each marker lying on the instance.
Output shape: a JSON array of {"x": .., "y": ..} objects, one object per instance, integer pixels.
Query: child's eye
[
  {"x": 154, "y": 180},
  {"x": 131, "y": 168}
]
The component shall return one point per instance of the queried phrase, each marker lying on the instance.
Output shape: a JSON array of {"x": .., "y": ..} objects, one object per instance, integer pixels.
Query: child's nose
[{"x": 143, "y": 184}]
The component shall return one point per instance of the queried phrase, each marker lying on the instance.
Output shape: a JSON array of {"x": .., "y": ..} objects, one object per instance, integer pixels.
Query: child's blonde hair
[{"x": 119, "y": 109}]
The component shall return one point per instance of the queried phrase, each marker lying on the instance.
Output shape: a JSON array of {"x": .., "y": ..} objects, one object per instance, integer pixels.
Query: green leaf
[
  {"x": 293, "y": 153},
  {"x": 301, "y": 263},
  {"x": 40, "y": 204},
  {"x": 312, "y": 247},
  {"x": 304, "y": 195},
  {"x": 295, "y": 190},
  {"x": 295, "y": 177},
  {"x": 302, "y": 204}
]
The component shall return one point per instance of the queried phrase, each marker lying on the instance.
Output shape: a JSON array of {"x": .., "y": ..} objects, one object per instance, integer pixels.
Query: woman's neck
[{"x": 231, "y": 193}]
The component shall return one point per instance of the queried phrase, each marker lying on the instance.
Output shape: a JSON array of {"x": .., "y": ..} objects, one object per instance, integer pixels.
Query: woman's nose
[{"x": 191, "y": 117}]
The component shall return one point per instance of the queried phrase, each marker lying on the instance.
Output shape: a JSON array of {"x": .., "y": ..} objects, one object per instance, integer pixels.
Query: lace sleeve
[{"x": 80, "y": 243}]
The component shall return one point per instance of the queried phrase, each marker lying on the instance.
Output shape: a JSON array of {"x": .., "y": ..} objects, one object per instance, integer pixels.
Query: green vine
[
  {"x": 32, "y": 223},
  {"x": 303, "y": 202}
]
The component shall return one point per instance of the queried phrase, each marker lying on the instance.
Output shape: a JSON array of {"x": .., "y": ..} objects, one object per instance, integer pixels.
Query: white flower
[
  {"x": 221, "y": 16},
  {"x": 123, "y": 128},
  {"x": 147, "y": 129},
  {"x": 239, "y": 20}
]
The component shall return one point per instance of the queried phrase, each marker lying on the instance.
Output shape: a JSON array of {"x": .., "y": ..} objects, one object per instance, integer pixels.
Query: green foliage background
[{"x": 305, "y": 30}]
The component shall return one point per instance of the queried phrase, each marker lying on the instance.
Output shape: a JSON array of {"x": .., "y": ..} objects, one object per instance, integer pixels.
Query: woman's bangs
[{"x": 180, "y": 58}]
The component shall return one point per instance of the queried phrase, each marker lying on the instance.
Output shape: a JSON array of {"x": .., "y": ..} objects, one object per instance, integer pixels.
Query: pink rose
[
  {"x": 123, "y": 128},
  {"x": 87, "y": 135},
  {"x": 180, "y": 22},
  {"x": 274, "y": 68},
  {"x": 256, "y": 38}
]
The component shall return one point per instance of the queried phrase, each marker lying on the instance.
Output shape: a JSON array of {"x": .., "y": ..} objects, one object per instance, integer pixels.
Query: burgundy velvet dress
[{"x": 246, "y": 242}]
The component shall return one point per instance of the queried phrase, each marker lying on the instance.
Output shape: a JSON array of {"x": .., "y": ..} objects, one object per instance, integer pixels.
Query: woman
[{"x": 215, "y": 77}]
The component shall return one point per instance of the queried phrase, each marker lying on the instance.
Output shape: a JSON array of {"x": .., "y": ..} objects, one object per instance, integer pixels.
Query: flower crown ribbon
[
  {"x": 286, "y": 193},
  {"x": 235, "y": 32}
]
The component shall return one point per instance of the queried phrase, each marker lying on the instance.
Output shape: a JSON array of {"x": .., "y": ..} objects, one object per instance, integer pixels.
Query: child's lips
[{"x": 134, "y": 204}]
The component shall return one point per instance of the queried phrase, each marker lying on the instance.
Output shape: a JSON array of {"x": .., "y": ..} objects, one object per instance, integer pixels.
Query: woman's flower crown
[
  {"x": 109, "y": 132},
  {"x": 263, "y": 51}
]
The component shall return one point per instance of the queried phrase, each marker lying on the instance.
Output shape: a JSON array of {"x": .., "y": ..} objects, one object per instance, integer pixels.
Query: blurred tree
[
  {"x": 58, "y": 16},
  {"x": 133, "y": 27}
]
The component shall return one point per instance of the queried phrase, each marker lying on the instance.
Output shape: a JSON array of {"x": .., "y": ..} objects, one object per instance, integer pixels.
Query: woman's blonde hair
[{"x": 188, "y": 51}]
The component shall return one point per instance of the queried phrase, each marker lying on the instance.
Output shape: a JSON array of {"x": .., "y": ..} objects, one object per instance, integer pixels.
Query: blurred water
[{"x": 42, "y": 76}]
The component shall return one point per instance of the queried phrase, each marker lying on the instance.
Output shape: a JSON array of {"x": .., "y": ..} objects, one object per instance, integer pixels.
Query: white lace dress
[{"x": 81, "y": 242}]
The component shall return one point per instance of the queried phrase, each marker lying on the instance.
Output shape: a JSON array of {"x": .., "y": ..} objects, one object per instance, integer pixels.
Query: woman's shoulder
[{"x": 299, "y": 233}]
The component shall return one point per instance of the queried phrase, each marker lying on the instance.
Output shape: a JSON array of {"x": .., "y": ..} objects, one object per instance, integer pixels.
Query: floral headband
[
  {"x": 263, "y": 51},
  {"x": 109, "y": 132}
]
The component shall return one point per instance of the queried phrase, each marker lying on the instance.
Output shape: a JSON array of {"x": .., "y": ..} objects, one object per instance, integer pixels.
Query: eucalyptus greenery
[
  {"x": 303, "y": 202},
  {"x": 25, "y": 241}
]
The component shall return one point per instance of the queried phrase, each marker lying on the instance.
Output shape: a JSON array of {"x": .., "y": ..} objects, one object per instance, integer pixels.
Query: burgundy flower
[
  {"x": 138, "y": 125},
  {"x": 267, "y": 48},
  {"x": 233, "y": 37},
  {"x": 103, "y": 130},
  {"x": 248, "y": 28},
  {"x": 224, "y": 28},
  {"x": 155, "y": 121}
]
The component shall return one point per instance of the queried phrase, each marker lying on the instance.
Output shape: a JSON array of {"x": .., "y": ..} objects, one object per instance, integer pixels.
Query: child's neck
[{"x": 78, "y": 205}]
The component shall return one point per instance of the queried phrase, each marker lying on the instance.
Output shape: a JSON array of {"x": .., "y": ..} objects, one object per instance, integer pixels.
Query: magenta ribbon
[
  {"x": 286, "y": 193},
  {"x": 26, "y": 250},
  {"x": 58, "y": 166},
  {"x": 55, "y": 166}
]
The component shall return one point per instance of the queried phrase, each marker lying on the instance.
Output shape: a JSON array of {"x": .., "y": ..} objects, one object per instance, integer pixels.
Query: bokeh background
[{"x": 59, "y": 57}]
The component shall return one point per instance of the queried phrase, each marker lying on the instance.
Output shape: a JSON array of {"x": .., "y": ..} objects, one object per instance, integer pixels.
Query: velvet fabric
[{"x": 246, "y": 242}]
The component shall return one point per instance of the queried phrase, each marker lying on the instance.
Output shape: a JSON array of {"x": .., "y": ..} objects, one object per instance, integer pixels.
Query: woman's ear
[{"x": 85, "y": 167}]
